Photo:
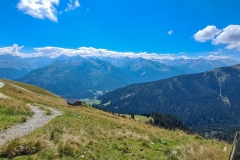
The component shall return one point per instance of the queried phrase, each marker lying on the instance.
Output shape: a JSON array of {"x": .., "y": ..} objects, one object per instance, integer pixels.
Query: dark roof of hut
[{"x": 72, "y": 101}]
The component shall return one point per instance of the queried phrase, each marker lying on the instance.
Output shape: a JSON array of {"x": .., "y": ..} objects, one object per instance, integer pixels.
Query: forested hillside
[{"x": 209, "y": 98}]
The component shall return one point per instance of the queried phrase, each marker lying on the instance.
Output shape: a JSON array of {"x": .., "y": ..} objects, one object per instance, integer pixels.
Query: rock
[{"x": 225, "y": 149}]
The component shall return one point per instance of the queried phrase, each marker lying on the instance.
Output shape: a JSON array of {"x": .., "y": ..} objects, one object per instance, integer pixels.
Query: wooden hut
[{"x": 74, "y": 102}]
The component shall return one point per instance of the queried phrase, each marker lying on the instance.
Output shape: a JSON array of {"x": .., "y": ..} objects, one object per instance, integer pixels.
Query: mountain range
[
  {"x": 199, "y": 65},
  {"x": 78, "y": 77},
  {"x": 203, "y": 99},
  {"x": 143, "y": 70},
  {"x": 12, "y": 67},
  {"x": 89, "y": 77}
]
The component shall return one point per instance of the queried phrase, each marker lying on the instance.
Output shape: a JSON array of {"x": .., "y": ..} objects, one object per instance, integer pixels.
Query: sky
[{"x": 163, "y": 29}]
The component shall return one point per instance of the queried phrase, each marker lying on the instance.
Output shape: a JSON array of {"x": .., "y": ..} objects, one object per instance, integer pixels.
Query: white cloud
[
  {"x": 219, "y": 51},
  {"x": 234, "y": 46},
  {"x": 13, "y": 50},
  {"x": 183, "y": 57},
  {"x": 216, "y": 57},
  {"x": 93, "y": 52},
  {"x": 170, "y": 32},
  {"x": 54, "y": 52},
  {"x": 207, "y": 33},
  {"x": 229, "y": 36},
  {"x": 40, "y": 9},
  {"x": 72, "y": 5}
]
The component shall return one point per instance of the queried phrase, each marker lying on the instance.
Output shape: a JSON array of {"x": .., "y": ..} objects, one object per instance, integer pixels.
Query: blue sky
[{"x": 177, "y": 28}]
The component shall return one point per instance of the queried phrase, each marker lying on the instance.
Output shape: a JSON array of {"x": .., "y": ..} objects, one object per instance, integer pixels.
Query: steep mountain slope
[
  {"x": 77, "y": 77},
  {"x": 87, "y": 133},
  {"x": 12, "y": 67},
  {"x": 143, "y": 70},
  {"x": 209, "y": 98}
]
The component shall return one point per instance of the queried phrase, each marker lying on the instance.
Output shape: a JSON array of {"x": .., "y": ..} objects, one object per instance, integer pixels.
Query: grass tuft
[{"x": 17, "y": 147}]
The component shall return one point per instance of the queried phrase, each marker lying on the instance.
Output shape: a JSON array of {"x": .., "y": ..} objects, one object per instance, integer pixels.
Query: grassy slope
[
  {"x": 94, "y": 134},
  {"x": 12, "y": 111},
  {"x": 139, "y": 118}
]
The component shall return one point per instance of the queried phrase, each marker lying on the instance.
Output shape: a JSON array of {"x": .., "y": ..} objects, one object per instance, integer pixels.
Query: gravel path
[
  {"x": 1, "y": 84},
  {"x": 18, "y": 87},
  {"x": 14, "y": 86},
  {"x": 36, "y": 121},
  {"x": 2, "y": 95}
]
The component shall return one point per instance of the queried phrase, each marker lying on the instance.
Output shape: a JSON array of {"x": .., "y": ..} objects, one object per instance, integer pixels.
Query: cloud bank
[
  {"x": 229, "y": 36},
  {"x": 13, "y": 50},
  {"x": 54, "y": 52},
  {"x": 93, "y": 52}
]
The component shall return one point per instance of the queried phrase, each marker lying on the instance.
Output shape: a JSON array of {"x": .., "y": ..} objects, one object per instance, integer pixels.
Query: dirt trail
[
  {"x": 1, "y": 84},
  {"x": 36, "y": 121},
  {"x": 18, "y": 87},
  {"x": 2, "y": 95}
]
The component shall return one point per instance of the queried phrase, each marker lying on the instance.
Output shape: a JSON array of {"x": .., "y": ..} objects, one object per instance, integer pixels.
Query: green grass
[
  {"x": 32, "y": 88},
  {"x": 12, "y": 112},
  {"x": 46, "y": 110},
  {"x": 91, "y": 102},
  {"x": 94, "y": 134},
  {"x": 139, "y": 118},
  {"x": 106, "y": 104}
]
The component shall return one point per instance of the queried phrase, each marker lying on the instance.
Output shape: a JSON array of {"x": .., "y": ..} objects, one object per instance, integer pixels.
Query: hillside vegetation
[
  {"x": 85, "y": 132},
  {"x": 208, "y": 99}
]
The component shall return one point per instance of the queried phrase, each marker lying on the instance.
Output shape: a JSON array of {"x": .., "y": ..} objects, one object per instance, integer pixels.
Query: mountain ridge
[
  {"x": 192, "y": 98},
  {"x": 78, "y": 78}
]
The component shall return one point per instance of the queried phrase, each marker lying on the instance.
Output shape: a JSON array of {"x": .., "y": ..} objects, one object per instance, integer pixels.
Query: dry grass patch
[
  {"x": 19, "y": 147},
  {"x": 211, "y": 151},
  {"x": 32, "y": 88}
]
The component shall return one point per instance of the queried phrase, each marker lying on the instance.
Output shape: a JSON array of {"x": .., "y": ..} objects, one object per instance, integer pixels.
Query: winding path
[
  {"x": 1, "y": 84},
  {"x": 2, "y": 95},
  {"x": 36, "y": 121}
]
